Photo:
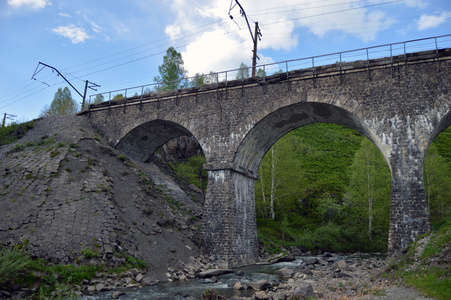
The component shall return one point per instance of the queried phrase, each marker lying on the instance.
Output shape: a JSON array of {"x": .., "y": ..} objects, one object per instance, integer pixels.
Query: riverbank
[{"x": 327, "y": 276}]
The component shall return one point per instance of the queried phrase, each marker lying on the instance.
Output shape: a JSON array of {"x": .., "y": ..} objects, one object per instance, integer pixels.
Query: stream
[{"x": 224, "y": 284}]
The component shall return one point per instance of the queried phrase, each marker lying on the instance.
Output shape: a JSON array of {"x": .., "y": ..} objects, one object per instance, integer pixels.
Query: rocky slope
[{"x": 64, "y": 191}]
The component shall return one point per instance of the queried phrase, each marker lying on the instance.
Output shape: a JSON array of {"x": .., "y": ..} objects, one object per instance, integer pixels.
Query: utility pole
[
  {"x": 254, "y": 57},
  {"x": 255, "y": 37},
  {"x": 84, "y": 94},
  {"x": 7, "y": 116},
  {"x": 55, "y": 69}
]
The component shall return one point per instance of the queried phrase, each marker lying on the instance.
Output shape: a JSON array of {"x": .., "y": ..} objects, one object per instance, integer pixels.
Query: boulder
[
  {"x": 341, "y": 264},
  {"x": 214, "y": 272},
  {"x": 305, "y": 290},
  {"x": 139, "y": 277},
  {"x": 286, "y": 258},
  {"x": 311, "y": 261},
  {"x": 260, "y": 285},
  {"x": 286, "y": 272},
  {"x": 117, "y": 294},
  {"x": 240, "y": 286},
  {"x": 261, "y": 295}
]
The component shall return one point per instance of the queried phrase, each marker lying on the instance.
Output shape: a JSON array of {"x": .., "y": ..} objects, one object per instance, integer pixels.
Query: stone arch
[
  {"x": 275, "y": 125},
  {"x": 442, "y": 124},
  {"x": 141, "y": 142},
  {"x": 235, "y": 221}
]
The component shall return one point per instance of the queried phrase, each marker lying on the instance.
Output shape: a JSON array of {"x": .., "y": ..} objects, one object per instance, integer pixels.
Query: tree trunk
[
  {"x": 273, "y": 184},
  {"x": 370, "y": 197}
]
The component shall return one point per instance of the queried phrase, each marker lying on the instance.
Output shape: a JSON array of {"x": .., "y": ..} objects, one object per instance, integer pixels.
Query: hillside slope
[{"x": 64, "y": 190}]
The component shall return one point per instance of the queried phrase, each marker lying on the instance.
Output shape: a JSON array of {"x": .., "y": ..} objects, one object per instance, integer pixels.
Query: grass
[
  {"x": 432, "y": 276},
  {"x": 54, "y": 281},
  {"x": 434, "y": 282}
]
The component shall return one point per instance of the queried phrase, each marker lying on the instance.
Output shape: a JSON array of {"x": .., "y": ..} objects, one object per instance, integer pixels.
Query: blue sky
[{"x": 120, "y": 44}]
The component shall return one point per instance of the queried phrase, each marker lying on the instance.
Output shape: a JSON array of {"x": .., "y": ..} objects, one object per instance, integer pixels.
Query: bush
[
  {"x": 88, "y": 253},
  {"x": 12, "y": 263}
]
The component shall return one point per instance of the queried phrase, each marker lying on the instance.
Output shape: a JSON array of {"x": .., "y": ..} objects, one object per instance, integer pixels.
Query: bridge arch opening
[
  {"x": 325, "y": 187},
  {"x": 259, "y": 141},
  {"x": 141, "y": 142},
  {"x": 174, "y": 144}
]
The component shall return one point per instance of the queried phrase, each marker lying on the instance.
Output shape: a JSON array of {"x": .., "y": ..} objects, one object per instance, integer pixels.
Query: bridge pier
[
  {"x": 230, "y": 225},
  {"x": 409, "y": 210}
]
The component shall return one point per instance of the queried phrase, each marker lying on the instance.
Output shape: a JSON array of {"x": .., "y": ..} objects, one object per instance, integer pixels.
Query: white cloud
[
  {"x": 76, "y": 34},
  {"x": 173, "y": 31},
  {"x": 65, "y": 15},
  {"x": 431, "y": 21},
  {"x": 34, "y": 4},
  {"x": 227, "y": 43}
]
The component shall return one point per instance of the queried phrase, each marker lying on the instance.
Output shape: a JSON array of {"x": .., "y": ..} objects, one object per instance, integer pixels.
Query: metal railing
[{"x": 362, "y": 54}]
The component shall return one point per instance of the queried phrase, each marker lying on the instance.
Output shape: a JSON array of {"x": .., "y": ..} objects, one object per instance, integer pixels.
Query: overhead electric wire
[
  {"x": 95, "y": 69},
  {"x": 332, "y": 12}
]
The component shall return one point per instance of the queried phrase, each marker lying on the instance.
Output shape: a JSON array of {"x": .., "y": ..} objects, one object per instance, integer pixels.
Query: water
[{"x": 224, "y": 286}]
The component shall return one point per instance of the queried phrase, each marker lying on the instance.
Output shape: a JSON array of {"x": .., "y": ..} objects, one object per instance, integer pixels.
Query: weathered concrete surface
[{"x": 400, "y": 105}]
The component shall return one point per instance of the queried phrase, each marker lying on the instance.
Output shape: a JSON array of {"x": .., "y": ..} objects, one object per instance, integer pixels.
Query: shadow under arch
[
  {"x": 442, "y": 124},
  {"x": 270, "y": 129},
  {"x": 141, "y": 142}
]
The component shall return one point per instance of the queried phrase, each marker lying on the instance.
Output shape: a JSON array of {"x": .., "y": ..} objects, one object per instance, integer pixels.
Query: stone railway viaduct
[{"x": 400, "y": 103}]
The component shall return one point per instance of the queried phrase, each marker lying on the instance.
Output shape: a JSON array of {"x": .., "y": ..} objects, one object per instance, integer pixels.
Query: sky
[{"x": 120, "y": 44}]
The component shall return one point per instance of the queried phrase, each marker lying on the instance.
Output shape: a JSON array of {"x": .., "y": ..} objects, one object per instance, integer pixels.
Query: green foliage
[
  {"x": 192, "y": 170},
  {"x": 62, "y": 104},
  {"x": 202, "y": 79},
  {"x": 118, "y": 97},
  {"x": 435, "y": 282},
  {"x": 98, "y": 99},
  {"x": 243, "y": 72},
  {"x": 172, "y": 71},
  {"x": 209, "y": 294},
  {"x": 309, "y": 174},
  {"x": 437, "y": 178},
  {"x": 88, "y": 253},
  {"x": 13, "y": 262},
  {"x": 330, "y": 190},
  {"x": 430, "y": 273},
  {"x": 122, "y": 157},
  {"x": 13, "y": 132},
  {"x": 438, "y": 241},
  {"x": 136, "y": 263}
]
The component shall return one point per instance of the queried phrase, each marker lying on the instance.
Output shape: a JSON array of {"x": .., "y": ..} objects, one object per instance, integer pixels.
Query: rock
[
  {"x": 101, "y": 287},
  {"x": 327, "y": 255},
  {"x": 307, "y": 272},
  {"x": 260, "y": 285},
  {"x": 311, "y": 261},
  {"x": 117, "y": 294},
  {"x": 343, "y": 275},
  {"x": 214, "y": 272},
  {"x": 139, "y": 277},
  {"x": 5, "y": 294},
  {"x": 239, "y": 273},
  {"x": 240, "y": 286},
  {"x": 260, "y": 295},
  {"x": 183, "y": 277},
  {"x": 341, "y": 264},
  {"x": 286, "y": 272},
  {"x": 286, "y": 258},
  {"x": 91, "y": 288},
  {"x": 305, "y": 290}
]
